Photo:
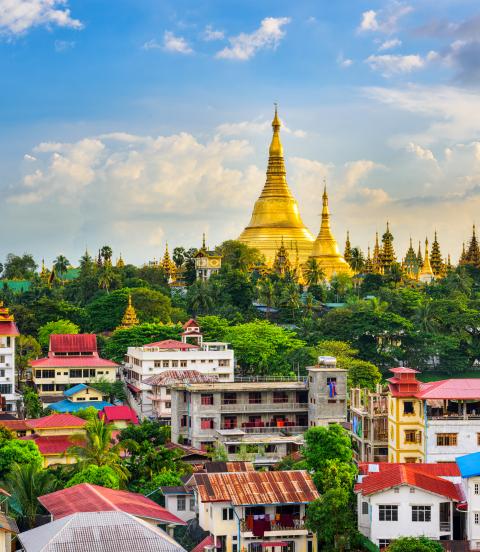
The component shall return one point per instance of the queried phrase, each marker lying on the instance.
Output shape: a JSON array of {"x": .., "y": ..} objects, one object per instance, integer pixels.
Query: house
[
  {"x": 78, "y": 397},
  {"x": 72, "y": 359},
  {"x": 254, "y": 511},
  {"x": 469, "y": 466},
  {"x": 397, "y": 500},
  {"x": 54, "y": 448},
  {"x": 86, "y": 497},
  {"x": 191, "y": 353},
  {"x": 8, "y": 531},
  {"x": 119, "y": 416},
  {"x": 432, "y": 422},
  {"x": 107, "y": 531},
  {"x": 180, "y": 501},
  {"x": 8, "y": 333}
]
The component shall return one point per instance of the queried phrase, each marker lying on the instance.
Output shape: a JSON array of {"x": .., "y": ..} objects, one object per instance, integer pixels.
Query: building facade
[
  {"x": 8, "y": 333},
  {"x": 207, "y": 263},
  {"x": 71, "y": 360}
]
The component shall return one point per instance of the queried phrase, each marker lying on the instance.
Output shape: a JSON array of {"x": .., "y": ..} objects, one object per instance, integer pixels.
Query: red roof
[
  {"x": 9, "y": 329},
  {"x": 15, "y": 425},
  {"x": 53, "y": 444},
  {"x": 408, "y": 474},
  {"x": 71, "y": 343},
  {"x": 192, "y": 323},
  {"x": 443, "y": 469},
  {"x": 93, "y": 498},
  {"x": 116, "y": 413},
  {"x": 171, "y": 344},
  {"x": 206, "y": 542},
  {"x": 72, "y": 362},
  {"x": 403, "y": 370},
  {"x": 468, "y": 388},
  {"x": 180, "y": 376},
  {"x": 57, "y": 420}
]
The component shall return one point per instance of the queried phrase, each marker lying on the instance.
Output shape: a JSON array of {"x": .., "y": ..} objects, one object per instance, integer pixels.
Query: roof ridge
[{"x": 102, "y": 497}]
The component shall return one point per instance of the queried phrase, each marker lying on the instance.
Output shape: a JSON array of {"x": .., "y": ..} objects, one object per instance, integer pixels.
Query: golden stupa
[
  {"x": 275, "y": 216},
  {"x": 426, "y": 273},
  {"x": 129, "y": 317},
  {"x": 325, "y": 249}
]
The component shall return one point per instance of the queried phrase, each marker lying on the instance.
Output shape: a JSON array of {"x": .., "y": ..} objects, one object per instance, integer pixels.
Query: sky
[{"x": 134, "y": 123}]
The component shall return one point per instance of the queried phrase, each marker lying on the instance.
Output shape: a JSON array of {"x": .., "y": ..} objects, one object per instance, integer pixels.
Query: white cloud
[
  {"x": 384, "y": 20},
  {"x": 257, "y": 126},
  {"x": 244, "y": 46},
  {"x": 19, "y": 16},
  {"x": 343, "y": 61},
  {"x": 389, "y": 64},
  {"x": 420, "y": 152},
  {"x": 151, "y": 45},
  {"x": 389, "y": 44},
  {"x": 63, "y": 45},
  {"x": 355, "y": 171},
  {"x": 369, "y": 21},
  {"x": 173, "y": 43},
  {"x": 211, "y": 34},
  {"x": 29, "y": 157}
]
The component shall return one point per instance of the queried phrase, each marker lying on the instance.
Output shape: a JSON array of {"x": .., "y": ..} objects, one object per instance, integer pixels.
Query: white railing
[{"x": 263, "y": 407}]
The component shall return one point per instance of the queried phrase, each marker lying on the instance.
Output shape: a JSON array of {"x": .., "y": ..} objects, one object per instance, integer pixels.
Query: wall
[
  {"x": 320, "y": 410},
  {"x": 466, "y": 439},
  {"x": 398, "y": 422},
  {"x": 171, "y": 505}
]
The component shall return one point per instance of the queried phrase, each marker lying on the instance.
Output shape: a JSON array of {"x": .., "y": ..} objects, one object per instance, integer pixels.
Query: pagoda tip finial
[
  {"x": 276, "y": 120},
  {"x": 203, "y": 241}
]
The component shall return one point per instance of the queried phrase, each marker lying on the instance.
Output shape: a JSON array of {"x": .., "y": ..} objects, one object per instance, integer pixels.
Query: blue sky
[{"x": 132, "y": 123}]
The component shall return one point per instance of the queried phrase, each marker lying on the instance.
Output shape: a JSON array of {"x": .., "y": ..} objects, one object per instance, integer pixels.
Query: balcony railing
[
  {"x": 276, "y": 429},
  {"x": 263, "y": 407},
  {"x": 445, "y": 526},
  {"x": 285, "y": 523}
]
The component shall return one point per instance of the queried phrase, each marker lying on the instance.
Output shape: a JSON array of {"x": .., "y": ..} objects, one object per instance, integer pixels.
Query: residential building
[
  {"x": 469, "y": 466},
  {"x": 78, "y": 397},
  {"x": 254, "y": 511},
  {"x": 432, "y": 422},
  {"x": 119, "y": 416},
  {"x": 8, "y": 532},
  {"x": 72, "y": 359},
  {"x": 327, "y": 392},
  {"x": 368, "y": 416},
  {"x": 180, "y": 501},
  {"x": 86, "y": 497},
  {"x": 142, "y": 363},
  {"x": 409, "y": 500},
  {"x": 111, "y": 530},
  {"x": 8, "y": 333}
]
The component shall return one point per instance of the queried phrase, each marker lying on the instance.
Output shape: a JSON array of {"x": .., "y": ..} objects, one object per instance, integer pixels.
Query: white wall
[
  {"x": 473, "y": 500},
  {"x": 466, "y": 439},
  {"x": 171, "y": 504},
  {"x": 370, "y": 526},
  {"x": 8, "y": 354}
]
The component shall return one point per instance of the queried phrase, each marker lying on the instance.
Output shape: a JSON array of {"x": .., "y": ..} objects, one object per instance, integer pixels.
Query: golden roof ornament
[
  {"x": 276, "y": 214},
  {"x": 5, "y": 315},
  {"x": 426, "y": 273},
  {"x": 120, "y": 262},
  {"x": 129, "y": 317}
]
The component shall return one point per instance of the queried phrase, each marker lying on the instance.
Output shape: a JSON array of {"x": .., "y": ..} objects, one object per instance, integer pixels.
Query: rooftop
[
  {"x": 442, "y": 469},
  {"x": 180, "y": 376},
  {"x": 242, "y": 386},
  {"x": 56, "y": 421},
  {"x": 9, "y": 329},
  {"x": 93, "y": 498},
  {"x": 171, "y": 345},
  {"x": 71, "y": 343},
  {"x": 71, "y": 406},
  {"x": 53, "y": 444},
  {"x": 469, "y": 465},
  {"x": 119, "y": 413},
  {"x": 251, "y": 487}
]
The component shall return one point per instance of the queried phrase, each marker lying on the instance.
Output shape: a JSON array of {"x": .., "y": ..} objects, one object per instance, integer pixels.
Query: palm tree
[
  {"x": 291, "y": 298},
  {"x": 25, "y": 483},
  {"x": 106, "y": 253},
  {"x": 357, "y": 260},
  {"x": 266, "y": 294},
  {"x": 425, "y": 317},
  {"x": 199, "y": 297},
  {"x": 106, "y": 277},
  {"x": 98, "y": 449},
  {"x": 313, "y": 272},
  {"x": 61, "y": 264}
]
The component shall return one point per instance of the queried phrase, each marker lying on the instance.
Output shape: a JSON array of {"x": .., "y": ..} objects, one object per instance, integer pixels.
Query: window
[
  {"x": 227, "y": 514},
  {"x": 174, "y": 363},
  {"x": 446, "y": 439},
  {"x": 168, "y": 404},
  {"x": 206, "y": 398},
  {"x": 2, "y": 359},
  {"x": 410, "y": 436},
  {"x": 365, "y": 508},
  {"x": 183, "y": 364},
  {"x": 157, "y": 364},
  {"x": 408, "y": 407},
  {"x": 476, "y": 489},
  {"x": 255, "y": 398},
  {"x": 45, "y": 387},
  {"x": 88, "y": 373},
  {"x": 331, "y": 380},
  {"x": 5, "y": 388},
  {"x": 476, "y": 518},
  {"x": 206, "y": 423},
  {"x": 229, "y": 398},
  {"x": 192, "y": 505},
  {"x": 421, "y": 513},
  {"x": 387, "y": 512},
  {"x": 75, "y": 373},
  {"x": 181, "y": 503},
  {"x": 166, "y": 363},
  {"x": 383, "y": 543},
  {"x": 410, "y": 460},
  {"x": 183, "y": 421},
  {"x": 280, "y": 397}
]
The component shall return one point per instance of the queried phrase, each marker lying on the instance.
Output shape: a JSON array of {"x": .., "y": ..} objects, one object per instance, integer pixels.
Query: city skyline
[{"x": 154, "y": 125}]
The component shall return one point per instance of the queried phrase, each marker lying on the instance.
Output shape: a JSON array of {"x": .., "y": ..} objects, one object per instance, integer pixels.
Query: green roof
[
  {"x": 17, "y": 286},
  {"x": 71, "y": 274}
]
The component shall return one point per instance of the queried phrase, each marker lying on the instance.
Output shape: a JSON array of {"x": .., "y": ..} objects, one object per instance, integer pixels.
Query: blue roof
[
  {"x": 75, "y": 389},
  {"x": 70, "y": 406},
  {"x": 469, "y": 465}
]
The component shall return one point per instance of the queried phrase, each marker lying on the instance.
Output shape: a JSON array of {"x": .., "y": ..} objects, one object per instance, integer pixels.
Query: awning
[
  {"x": 266, "y": 544},
  {"x": 133, "y": 388}
]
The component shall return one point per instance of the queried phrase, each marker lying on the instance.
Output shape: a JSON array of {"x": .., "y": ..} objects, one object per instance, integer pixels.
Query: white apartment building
[
  {"x": 470, "y": 470},
  {"x": 255, "y": 511},
  {"x": 398, "y": 500},
  {"x": 8, "y": 333},
  {"x": 191, "y": 353}
]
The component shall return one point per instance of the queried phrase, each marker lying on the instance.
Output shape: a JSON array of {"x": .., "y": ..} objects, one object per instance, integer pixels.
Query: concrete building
[
  {"x": 8, "y": 333},
  {"x": 71, "y": 360},
  {"x": 396, "y": 500},
  {"x": 469, "y": 466},
  {"x": 327, "y": 392},
  {"x": 368, "y": 416},
  {"x": 191, "y": 353},
  {"x": 255, "y": 511}
]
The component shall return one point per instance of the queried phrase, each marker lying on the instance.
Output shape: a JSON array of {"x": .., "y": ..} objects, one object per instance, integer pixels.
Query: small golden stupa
[
  {"x": 5, "y": 314},
  {"x": 426, "y": 273},
  {"x": 325, "y": 249},
  {"x": 129, "y": 317},
  {"x": 275, "y": 215}
]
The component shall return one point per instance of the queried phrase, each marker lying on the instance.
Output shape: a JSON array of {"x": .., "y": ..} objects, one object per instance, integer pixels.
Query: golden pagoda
[
  {"x": 325, "y": 249},
  {"x": 5, "y": 314},
  {"x": 120, "y": 262},
  {"x": 129, "y": 317},
  {"x": 169, "y": 267},
  {"x": 275, "y": 214},
  {"x": 426, "y": 273}
]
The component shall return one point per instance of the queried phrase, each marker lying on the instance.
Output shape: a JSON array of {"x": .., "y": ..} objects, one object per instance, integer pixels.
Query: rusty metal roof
[
  {"x": 221, "y": 467},
  {"x": 276, "y": 487},
  {"x": 170, "y": 377}
]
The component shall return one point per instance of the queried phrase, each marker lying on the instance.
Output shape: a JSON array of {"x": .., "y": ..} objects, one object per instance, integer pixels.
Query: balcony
[
  {"x": 286, "y": 524},
  {"x": 275, "y": 430},
  {"x": 445, "y": 527},
  {"x": 263, "y": 407}
]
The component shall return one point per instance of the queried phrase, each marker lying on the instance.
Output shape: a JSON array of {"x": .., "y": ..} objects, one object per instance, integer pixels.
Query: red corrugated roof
[
  {"x": 9, "y": 329},
  {"x": 172, "y": 344},
  {"x": 468, "y": 388},
  {"x": 403, "y": 370},
  {"x": 116, "y": 413},
  {"x": 57, "y": 420},
  {"x": 72, "y": 362},
  {"x": 73, "y": 343},
  {"x": 15, "y": 425},
  {"x": 207, "y": 542},
  {"x": 442, "y": 469},
  {"x": 275, "y": 487},
  {"x": 180, "y": 376},
  {"x": 192, "y": 323},
  {"x": 93, "y": 498},
  {"x": 407, "y": 474},
  {"x": 53, "y": 444}
]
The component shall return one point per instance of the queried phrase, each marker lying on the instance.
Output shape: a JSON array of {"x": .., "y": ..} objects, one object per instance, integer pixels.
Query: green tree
[
  {"x": 415, "y": 544},
  {"x": 17, "y": 451},
  {"x": 313, "y": 272},
  {"x": 32, "y": 403},
  {"x": 266, "y": 294},
  {"x": 27, "y": 348},
  {"x": 237, "y": 255},
  {"x": 199, "y": 299},
  {"x": 25, "y": 483},
  {"x": 104, "y": 476},
  {"x": 326, "y": 443},
  {"x": 213, "y": 327},
  {"x": 18, "y": 267},
  {"x": 115, "y": 391},
  {"x": 148, "y": 432},
  {"x": 357, "y": 260},
  {"x": 57, "y": 327},
  {"x": 61, "y": 264}
]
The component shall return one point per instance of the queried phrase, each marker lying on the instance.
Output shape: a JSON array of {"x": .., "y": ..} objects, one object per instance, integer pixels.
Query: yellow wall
[
  {"x": 398, "y": 423},
  {"x": 88, "y": 394},
  {"x": 60, "y": 431},
  {"x": 51, "y": 459}
]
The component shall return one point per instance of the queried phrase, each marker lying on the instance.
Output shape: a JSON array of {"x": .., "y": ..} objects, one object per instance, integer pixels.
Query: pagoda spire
[
  {"x": 204, "y": 247},
  {"x": 410, "y": 261},
  {"x": 426, "y": 273},
  {"x": 347, "y": 255},
  {"x": 388, "y": 252},
  {"x": 368, "y": 268},
  {"x": 377, "y": 253},
  {"x": 473, "y": 252},
  {"x": 129, "y": 317},
  {"x": 419, "y": 255},
  {"x": 436, "y": 257}
]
